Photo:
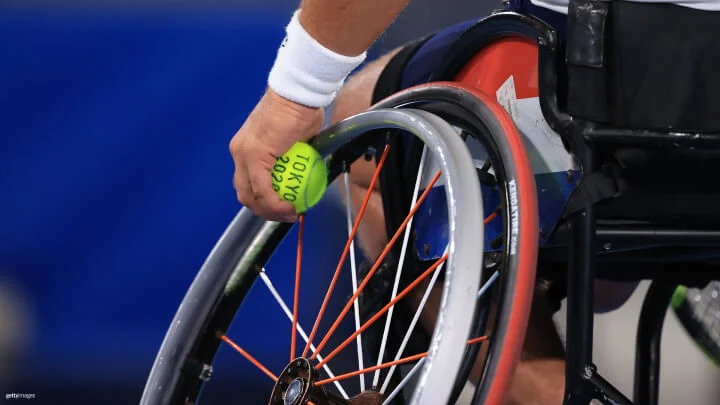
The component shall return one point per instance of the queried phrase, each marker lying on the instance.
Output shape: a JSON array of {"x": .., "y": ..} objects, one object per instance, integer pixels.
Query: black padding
[{"x": 390, "y": 79}]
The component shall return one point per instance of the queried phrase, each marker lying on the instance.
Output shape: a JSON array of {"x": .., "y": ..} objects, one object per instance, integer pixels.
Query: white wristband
[{"x": 305, "y": 71}]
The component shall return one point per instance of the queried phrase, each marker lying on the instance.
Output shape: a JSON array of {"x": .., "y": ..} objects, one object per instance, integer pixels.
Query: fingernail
[{"x": 290, "y": 218}]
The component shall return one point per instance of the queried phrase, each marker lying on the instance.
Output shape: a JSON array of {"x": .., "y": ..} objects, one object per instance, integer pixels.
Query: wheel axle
[{"x": 296, "y": 386}]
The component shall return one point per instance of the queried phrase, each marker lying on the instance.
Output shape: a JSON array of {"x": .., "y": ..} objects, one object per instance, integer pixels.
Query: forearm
[
  {"x": 348, "y": 27},
  {"x": 325, "y": 41}
]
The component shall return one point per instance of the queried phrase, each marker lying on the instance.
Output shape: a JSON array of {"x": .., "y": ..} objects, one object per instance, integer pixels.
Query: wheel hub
[
  {"x": 296, "y": 386},
  {"x": 294, "y": 391}
]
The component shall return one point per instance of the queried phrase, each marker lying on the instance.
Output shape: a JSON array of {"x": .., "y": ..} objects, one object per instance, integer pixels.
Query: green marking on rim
[{"x": 679, "y": 296}]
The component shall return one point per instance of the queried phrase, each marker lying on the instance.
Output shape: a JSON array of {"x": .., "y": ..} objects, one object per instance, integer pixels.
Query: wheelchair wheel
[
  {"x": 240, "y": 260},
  {"x": 510, "y": 191}
]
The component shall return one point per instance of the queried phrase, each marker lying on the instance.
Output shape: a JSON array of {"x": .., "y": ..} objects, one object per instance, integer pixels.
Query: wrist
[
  {"x": 305, "y": 71},
  {"x": 290, "y": 107}
]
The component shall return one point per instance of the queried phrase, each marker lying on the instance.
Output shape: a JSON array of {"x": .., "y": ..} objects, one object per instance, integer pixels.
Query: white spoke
[
  {"x": 300, "y": 330},
  {"x": 487, "y": 284},
  {"x": 354, "y": 280},
  {"x": 482, "y": 291},
  {"x": 398, "y": 274},
  {"x": 404, "y": 382},
  {"x": 412, "y": 326}
]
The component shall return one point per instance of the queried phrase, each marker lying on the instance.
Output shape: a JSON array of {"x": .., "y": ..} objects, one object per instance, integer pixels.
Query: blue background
[{"x": 116, "y": 179}]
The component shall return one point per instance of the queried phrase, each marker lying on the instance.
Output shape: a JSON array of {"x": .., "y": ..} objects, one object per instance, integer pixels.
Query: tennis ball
[{"x": 300, "y": 176}]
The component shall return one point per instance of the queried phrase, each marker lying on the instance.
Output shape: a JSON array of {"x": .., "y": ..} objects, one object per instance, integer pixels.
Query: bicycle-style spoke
[
  {"x": 388, "y": 364},
  {"x": 490, "y": 218},
  {"x": 364, "y": 205},
  {"x": 380, "y": 313},
  {"x": 488, "y": 284},
  {"x": 376, "y": 266},
  {"x": 404, "y": 381},
  {"x": 296, "y": 296},
  {"x": 420, "y": 308},
  {"x": 411, "y": 327},
  {"x": 249, "y": 357},
  {"x": 373, "y": 368},
  {"x": 266, "y": 280},
  {"x": 353, "y": 273},
  {"x": 401, "y": 262}
]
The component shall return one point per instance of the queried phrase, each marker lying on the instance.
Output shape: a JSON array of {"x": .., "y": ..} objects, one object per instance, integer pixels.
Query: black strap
[{"x": 596, "y": 187}]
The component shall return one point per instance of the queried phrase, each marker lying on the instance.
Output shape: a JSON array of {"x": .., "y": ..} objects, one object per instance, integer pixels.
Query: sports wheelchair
[{"x": 538, "y": 185}]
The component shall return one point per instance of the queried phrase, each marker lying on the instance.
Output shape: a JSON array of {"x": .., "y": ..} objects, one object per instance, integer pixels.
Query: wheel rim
[{"x": 227, "y": 275}]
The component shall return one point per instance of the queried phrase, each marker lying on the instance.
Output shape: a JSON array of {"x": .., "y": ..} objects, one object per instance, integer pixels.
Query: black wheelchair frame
[
  {"x": 583, "y": 382},
  {"x": 583, "y": 234}
]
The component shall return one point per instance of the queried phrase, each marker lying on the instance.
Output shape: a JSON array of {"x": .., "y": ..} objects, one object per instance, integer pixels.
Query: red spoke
[
  {"x": 490, "y": 218},
  {"x": 388, "y": 364},
  {"x": 376, "y": 266},
  {"x": 296, "y": 300},
  {"x": 347, "y": 249},
  {"x": 477, "y": 340},
  {"x": 249, "y": 357},
  {"x": 381, "y": 312}
]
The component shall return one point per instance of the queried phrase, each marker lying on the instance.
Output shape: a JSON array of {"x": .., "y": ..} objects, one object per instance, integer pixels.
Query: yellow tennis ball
[{"x": 300, "y": 176}]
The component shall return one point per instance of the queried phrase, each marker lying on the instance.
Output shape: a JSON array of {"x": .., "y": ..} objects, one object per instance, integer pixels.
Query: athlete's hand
[{"x": 271, "y": 129}]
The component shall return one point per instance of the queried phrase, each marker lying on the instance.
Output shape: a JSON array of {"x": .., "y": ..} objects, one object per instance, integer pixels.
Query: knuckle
[
  {"x": 243, "y": 198},
  {"x": 235, "y": 145}
]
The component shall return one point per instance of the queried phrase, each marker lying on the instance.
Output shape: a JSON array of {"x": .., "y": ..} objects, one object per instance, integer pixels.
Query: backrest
[{"x": 639, "y": 65}]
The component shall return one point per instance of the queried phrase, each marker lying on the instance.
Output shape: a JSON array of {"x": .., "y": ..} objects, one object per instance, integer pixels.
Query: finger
[
  {"x": 270, "y": 204},
  {"x": 268, "y": 200},
  {"x": 241, "y": 181},
  {"x": 276, "y": 209},
  {"x": 256, "y": 204}
]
